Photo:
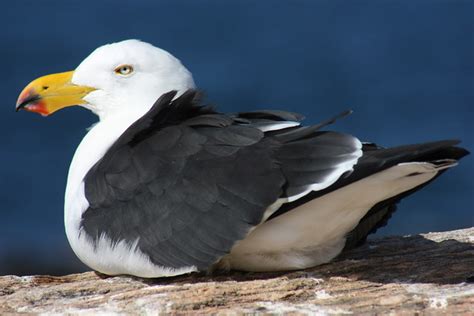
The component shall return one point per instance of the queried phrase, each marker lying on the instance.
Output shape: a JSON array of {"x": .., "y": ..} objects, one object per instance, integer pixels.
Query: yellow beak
[{"x": 50, "y": 93}]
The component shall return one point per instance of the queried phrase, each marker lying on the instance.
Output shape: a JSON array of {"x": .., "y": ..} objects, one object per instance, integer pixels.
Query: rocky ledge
[{"x": 429, "y": 273}]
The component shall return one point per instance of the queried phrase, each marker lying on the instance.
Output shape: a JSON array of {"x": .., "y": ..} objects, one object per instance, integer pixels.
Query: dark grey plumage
[{"x": 188, "y": 182}]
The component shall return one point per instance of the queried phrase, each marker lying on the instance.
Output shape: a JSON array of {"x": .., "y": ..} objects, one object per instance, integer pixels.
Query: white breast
[
  {"x": 92, "y": 148},
  {"x": 106, "y": 257}
]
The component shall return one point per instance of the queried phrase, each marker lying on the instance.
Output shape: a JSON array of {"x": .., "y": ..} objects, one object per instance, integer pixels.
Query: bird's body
[{"x": 169, "y": 187}]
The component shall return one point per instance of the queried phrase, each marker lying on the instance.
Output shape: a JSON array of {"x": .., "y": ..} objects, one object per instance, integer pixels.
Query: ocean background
[{"x": 406, "y": 68}]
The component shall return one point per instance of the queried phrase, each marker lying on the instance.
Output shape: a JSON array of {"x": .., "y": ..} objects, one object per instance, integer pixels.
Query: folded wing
[{"x": 186, "y": 183}]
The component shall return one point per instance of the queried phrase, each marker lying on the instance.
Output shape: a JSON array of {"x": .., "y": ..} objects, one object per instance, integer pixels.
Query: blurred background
[{"x": 405, "y": 67}]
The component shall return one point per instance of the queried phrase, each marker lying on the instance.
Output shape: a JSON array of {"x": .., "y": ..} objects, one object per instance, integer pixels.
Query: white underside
[
  {"x": 104, "y": 256},
  {"x": 315, "y": 232},
  {"x": 309, "y": 235},
  {"x": 112, "y": 258}
]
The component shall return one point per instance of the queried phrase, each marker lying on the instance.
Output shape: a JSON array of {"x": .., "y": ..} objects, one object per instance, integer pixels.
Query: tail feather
[
  {"x": 317, "y": 162},
  {"x": 441, "y": 154}
]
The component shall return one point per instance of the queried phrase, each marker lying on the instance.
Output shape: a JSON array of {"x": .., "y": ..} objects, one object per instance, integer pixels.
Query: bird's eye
[{"x": 124, "y": 70}]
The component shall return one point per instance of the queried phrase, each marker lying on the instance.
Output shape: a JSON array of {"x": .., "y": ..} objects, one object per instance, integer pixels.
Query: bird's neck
[{"x": 91, "y": 149}]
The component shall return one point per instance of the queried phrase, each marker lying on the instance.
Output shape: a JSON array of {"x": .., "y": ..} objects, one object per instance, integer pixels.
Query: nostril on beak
[{"x": 45, "y": 87}]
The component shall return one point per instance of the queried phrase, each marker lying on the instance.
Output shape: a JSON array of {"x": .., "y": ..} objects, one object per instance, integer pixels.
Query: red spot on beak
[
  {"x": 30, "y": 101},
  {"x": 37, "y": 107}
]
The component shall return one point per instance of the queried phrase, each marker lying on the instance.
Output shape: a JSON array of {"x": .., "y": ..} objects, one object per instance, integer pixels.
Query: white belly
[
  {"x": 104, "y": 256},
  {"x": 314, "y": 233},
  {"x": 311, "y": 234}
]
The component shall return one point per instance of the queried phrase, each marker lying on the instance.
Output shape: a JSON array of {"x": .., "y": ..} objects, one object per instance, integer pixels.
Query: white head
[{"x": 122, "y": 78}]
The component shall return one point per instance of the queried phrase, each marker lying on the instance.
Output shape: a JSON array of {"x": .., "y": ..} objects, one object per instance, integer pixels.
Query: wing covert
[
  {"x": 185, "y": 191},
  {"x": 185, "y": 183}
]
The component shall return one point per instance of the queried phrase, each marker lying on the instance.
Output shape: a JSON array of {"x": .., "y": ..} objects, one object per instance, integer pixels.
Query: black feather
[
  {"x": 188, "y": 182},
  {"x": 185, "y": 181}
]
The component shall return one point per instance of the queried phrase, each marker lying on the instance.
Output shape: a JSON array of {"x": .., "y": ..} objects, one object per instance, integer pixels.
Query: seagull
[{"x": 164, "y": 185}]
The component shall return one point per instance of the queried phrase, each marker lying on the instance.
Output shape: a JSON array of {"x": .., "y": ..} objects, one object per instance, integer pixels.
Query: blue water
[{"x": 405, "y": 67}]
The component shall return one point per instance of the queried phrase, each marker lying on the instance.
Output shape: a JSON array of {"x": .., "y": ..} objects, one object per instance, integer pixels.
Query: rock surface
[{"x": 431, "y": 273}]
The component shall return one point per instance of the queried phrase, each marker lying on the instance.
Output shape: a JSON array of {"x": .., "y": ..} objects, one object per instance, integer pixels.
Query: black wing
[
  {"x": 187, "y": 182},
  {"x": 376, "y": 159}
]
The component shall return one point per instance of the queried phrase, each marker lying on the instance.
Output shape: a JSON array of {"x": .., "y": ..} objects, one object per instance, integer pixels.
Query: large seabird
[{"x": 162, "y": 185}]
